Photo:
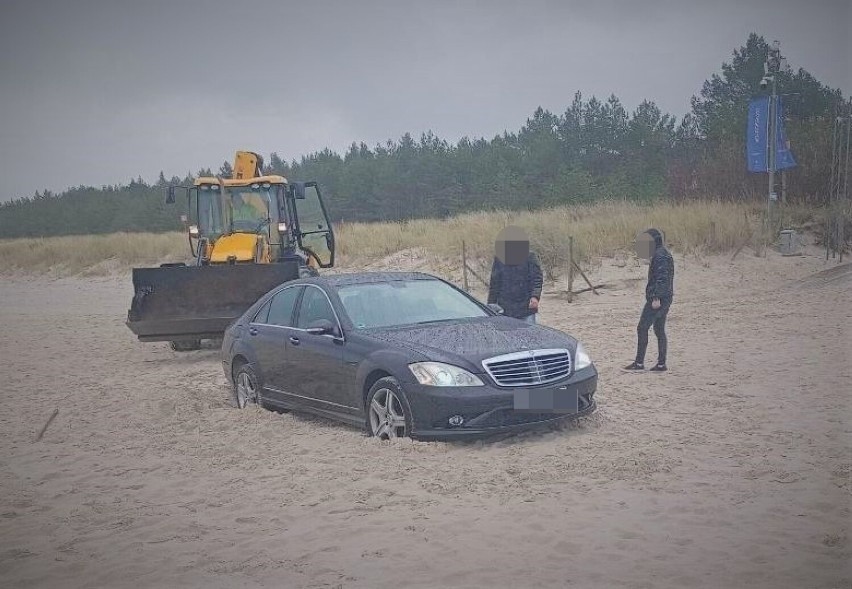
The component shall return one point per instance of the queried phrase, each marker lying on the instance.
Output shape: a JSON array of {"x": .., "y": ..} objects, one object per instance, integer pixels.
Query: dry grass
[
  {"x": 92, "y": 254},
  {"x": 598, "y": 230}
]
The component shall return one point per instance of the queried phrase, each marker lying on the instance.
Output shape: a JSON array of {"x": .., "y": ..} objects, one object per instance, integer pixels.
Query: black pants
[{"x": 657, "y": 318}]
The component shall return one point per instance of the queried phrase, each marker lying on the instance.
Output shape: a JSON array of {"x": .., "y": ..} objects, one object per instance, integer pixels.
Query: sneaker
[
  {"x": 659, "y": 368},
  {"x": 635, "y": 366}
]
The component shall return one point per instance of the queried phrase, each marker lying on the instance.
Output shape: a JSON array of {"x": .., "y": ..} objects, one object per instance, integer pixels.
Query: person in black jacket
[
  {"x": 516, "y": 278},
  {"x": 659, "y": 294}
]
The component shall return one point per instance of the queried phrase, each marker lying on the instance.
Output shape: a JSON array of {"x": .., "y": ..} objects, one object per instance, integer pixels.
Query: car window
[
  {"x": 401, "y": 302},
  {"x": 261, "y": 316},
  {"x": 314, "y": 306},
  {"x": 281, "y": 307}
]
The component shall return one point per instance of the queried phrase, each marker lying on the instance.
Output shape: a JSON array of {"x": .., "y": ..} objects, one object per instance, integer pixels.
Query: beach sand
[{"x": 734, "y": 469}]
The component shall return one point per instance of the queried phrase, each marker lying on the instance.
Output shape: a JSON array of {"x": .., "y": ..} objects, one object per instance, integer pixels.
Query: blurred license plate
[{"x": 547, "y": 400}]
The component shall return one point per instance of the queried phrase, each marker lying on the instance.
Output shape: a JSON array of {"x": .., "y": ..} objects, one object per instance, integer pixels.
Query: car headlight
[
  {"x": 581, "y": 358},
  {"x": 437, "y": 374}
]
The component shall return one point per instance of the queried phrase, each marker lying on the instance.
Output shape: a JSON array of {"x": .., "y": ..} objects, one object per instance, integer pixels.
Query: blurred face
[
  {"x": 644, "y": 246},
  {"x": 512, "y": 246}
]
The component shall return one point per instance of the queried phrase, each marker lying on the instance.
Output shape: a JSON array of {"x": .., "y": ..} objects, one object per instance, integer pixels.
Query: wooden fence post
[
  {"x": 570, "y": 268},
  {"x": 464, "y": 266}
]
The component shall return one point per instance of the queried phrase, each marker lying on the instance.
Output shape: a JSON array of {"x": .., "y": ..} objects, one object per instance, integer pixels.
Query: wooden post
[
  {"x": 570, "y": 268},
  {"x": 586, "y": 278},
  {"x": 464, "y": 266},
  {"x": 46, "y": 425},
  {"x": 478, "y": 277},
  {"x": 747, "y": 238}
]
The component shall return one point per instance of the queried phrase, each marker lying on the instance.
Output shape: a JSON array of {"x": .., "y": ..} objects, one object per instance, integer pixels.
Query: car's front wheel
[
  {"x": 388, "y": 411},
  {"x": 246, "y": 387}
]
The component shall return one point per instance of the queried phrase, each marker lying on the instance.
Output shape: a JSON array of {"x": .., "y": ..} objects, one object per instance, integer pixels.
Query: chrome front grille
[{"x": 520, "y": 369}]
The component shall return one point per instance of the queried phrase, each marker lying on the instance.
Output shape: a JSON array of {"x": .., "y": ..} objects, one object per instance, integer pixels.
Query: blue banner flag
[
  {"x": 783, "y": 155},
  {"x": 757, "y": 140}
]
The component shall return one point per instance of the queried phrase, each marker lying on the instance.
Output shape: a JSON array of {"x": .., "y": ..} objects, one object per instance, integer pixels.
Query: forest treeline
[{"x": 596, "y": 149}]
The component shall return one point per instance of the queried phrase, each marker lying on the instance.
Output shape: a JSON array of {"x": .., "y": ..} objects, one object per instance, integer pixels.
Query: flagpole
[
  {"x": 772, "y": 131},
  {"x": 771, "y": 69}
]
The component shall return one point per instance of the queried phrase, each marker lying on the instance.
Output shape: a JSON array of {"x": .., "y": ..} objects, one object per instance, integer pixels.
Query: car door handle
[
  {"x": 294, "y": 341},
  {"x": 252, "y": 331}
]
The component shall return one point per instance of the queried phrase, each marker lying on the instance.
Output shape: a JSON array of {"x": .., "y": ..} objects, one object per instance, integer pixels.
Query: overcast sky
[{"x": 100, "y": 91}]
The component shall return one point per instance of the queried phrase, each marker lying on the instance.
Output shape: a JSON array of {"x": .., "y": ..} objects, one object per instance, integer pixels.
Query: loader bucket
[{"x": 174, "y": 303}]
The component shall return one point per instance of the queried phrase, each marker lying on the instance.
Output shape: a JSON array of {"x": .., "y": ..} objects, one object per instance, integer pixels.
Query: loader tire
[
  {"x": 307, "y": 272},
  {"x": 186, "y": 345}
]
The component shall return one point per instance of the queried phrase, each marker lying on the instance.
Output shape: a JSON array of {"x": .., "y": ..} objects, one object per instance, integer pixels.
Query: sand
[{"x": 732, "y": 470}]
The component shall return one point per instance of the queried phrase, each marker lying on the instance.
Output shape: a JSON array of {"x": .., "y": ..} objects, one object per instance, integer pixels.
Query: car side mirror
[
  {"x": 496, "y": 308},
  {"x": 322, "y": 327}
]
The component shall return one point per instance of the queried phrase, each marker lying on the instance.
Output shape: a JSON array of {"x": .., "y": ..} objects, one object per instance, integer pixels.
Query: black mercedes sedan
[{"x": 404, "y": 354}]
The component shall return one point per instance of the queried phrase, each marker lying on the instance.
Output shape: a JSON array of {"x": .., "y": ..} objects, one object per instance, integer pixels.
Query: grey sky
[{"x": 99, "y": 91}]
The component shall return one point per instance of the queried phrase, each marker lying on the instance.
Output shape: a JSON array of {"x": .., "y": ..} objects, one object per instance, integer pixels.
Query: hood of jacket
[{"x": 658, "y": 237}]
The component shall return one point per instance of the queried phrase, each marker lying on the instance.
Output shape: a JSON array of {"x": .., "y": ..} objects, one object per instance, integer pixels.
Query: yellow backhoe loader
[{"x": 247, "y": 234}]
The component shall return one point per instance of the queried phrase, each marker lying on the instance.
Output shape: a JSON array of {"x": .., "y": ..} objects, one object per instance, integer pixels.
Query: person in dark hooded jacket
[
  {"x": 516, "y": 278},
  {"x": 659, "y": 294}
]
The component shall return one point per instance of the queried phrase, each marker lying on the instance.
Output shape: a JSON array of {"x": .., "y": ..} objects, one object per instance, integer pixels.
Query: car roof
[{"x": 347, "y": 279}]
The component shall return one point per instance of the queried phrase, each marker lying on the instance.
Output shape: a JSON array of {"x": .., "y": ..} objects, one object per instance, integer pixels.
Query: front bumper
[{"x": 489, "y": 409}]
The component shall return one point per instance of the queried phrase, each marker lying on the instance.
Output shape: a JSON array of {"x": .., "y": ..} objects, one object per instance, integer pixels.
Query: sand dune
[{"x": 732, "y": 470}]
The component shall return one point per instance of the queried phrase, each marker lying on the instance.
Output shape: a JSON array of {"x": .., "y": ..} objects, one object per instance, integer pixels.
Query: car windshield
[{"x": 403, "y": 302}]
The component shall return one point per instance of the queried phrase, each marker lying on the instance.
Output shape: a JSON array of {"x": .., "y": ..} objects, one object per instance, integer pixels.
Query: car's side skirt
[{"x": 330, "y": 410}]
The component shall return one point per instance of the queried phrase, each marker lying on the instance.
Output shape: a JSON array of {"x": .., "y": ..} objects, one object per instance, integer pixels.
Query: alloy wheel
[
  {"x": 387, "y": 415},
  {"x": 246, "y": 390}
]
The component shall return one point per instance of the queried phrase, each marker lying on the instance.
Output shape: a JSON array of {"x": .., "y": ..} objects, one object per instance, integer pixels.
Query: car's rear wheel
[
  {"x": 246, "y": 387},
  {"x": 388, "y": 411}
]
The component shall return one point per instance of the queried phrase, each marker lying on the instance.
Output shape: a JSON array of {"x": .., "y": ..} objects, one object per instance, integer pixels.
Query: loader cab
[
  {"x": 222, "y": 208},
  {"x": 289, "y": 219}
]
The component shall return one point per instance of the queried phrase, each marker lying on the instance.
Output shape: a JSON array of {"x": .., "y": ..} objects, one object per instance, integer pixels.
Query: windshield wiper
[{"x": 436, "y": 321}]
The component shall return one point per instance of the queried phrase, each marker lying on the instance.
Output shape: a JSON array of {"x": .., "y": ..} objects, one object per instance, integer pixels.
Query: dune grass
[
  {"x": 598, "y": 230},
  {"x": 78, "y": 253}
]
